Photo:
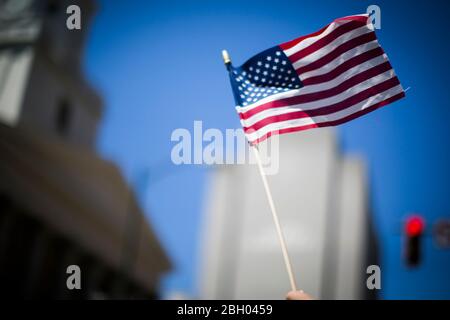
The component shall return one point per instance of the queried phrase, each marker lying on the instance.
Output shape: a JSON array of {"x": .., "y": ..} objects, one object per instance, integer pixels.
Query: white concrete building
[{"x": 322, "y": 200}]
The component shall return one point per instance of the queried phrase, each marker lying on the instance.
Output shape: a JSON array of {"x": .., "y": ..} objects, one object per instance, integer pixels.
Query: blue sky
[{"x": 157, "y": 65}]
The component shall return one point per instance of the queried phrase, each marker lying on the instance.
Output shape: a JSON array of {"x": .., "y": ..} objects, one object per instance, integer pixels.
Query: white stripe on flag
[
  {"x": 253, "y": 136},
  {"x": 308, "y": 41},
  {"x": 316, "y": 55},
  {"x": 317, "y": 104}
]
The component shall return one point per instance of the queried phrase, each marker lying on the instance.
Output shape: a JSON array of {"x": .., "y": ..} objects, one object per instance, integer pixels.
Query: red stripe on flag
[
  {"x": 293, "y": 43},
  {"x": 309, "y": 97},
  {"x": 322, "y": 42},
  {"x": 365, "y": 38},
  {"x": 331, "y": 123},
  {"x": 357, "y": 98},
  {"x": 347, "y": 65},
  {"x": 358, "y": 18}
]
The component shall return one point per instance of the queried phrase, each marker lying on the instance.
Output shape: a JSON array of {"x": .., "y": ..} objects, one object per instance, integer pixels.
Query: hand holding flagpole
[{"x": 287, "y": 261}]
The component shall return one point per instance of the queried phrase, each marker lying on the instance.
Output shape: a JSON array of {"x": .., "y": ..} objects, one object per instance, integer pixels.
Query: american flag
[{"x": 322, "y": 79}]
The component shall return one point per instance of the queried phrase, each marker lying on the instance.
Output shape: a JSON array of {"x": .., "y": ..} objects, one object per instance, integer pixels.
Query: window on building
[
  {"x": 63, "y": 115},
  {"x": 53, "y": 6}
]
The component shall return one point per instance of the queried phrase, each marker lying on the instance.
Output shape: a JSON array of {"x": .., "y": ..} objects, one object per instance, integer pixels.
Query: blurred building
[
  {"x": 60, "y": 204},
  {"x": 322, "y": 201}
]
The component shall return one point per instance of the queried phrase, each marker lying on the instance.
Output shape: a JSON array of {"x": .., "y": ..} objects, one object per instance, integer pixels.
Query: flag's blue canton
[{"x": 267, "y": 73}]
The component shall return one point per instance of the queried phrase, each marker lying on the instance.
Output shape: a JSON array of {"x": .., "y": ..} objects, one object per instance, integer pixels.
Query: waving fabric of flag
[{"x": 322, "y": 79}]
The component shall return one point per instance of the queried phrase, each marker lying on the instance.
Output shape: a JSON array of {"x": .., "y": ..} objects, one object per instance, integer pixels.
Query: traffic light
[{"x": 414, "y": 228}]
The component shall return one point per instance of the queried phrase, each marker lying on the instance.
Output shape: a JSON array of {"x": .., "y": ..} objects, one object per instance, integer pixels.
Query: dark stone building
[{"x": 60, "y": 204}]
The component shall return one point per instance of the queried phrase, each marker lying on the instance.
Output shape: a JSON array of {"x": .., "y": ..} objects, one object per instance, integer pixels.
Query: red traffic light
[
  {"x": 414, "y": 226},
  {"x": 414, "y": 229}
]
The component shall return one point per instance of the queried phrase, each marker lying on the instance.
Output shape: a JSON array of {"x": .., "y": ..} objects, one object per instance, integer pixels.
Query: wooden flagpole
[{"x": 287, "y": 261}]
